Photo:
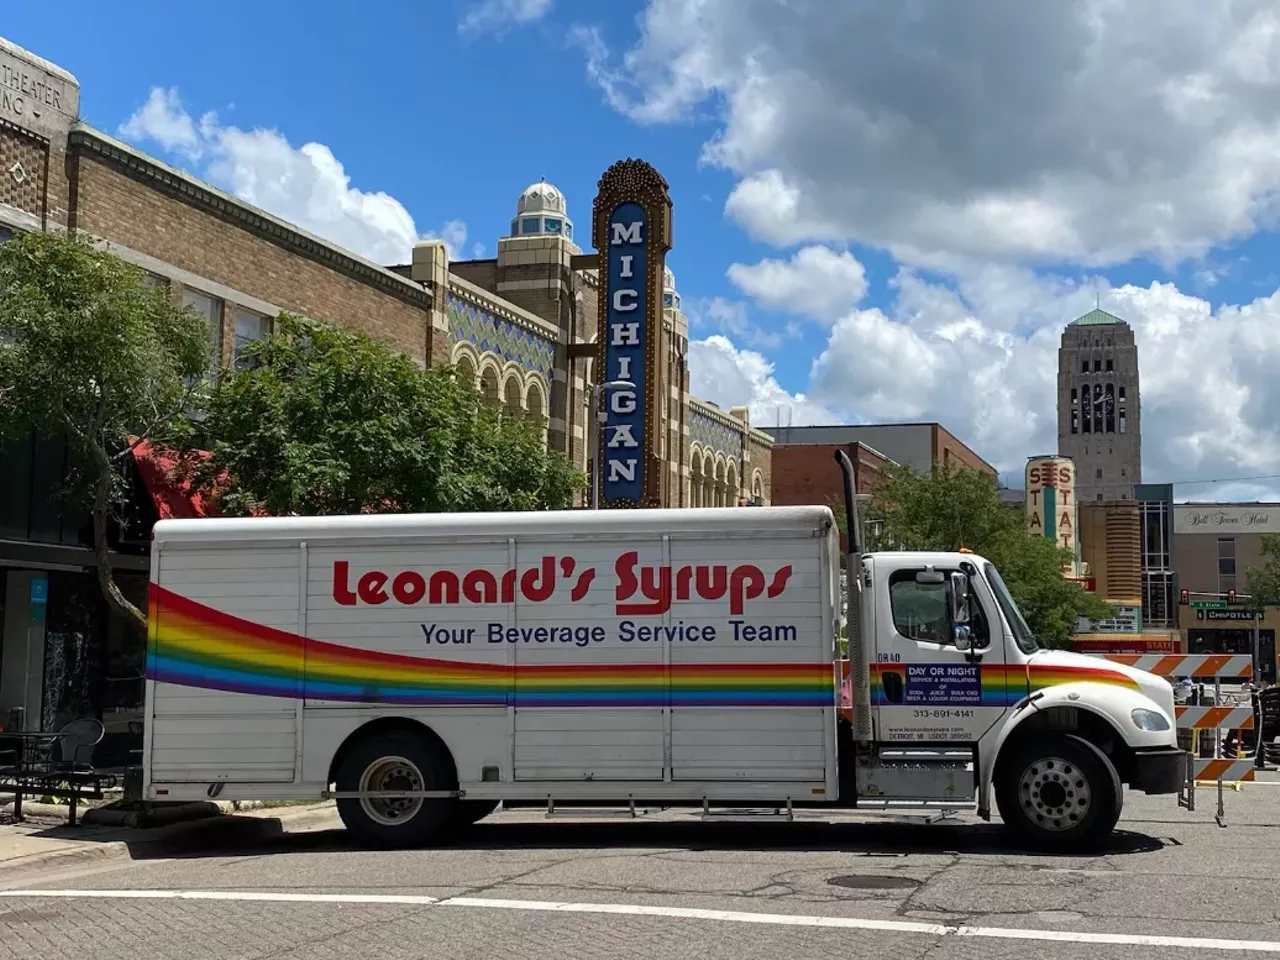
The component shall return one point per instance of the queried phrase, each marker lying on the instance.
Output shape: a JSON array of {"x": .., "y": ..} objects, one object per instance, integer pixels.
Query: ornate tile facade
[
  {"x": 471, "y": 323},
  {"x": 711, "y": 434}
]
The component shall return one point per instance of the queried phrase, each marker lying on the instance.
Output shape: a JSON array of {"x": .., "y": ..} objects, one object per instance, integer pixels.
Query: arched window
[
  {"x": 489, "y": 387},
  {"x": 536, "y": 408},
  {"x": 466, "y": 370},
  {"x": 512, "y": 399}
]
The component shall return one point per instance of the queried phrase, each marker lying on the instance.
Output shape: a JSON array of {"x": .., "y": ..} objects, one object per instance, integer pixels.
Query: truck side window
[{"x": 920, "y": 611}]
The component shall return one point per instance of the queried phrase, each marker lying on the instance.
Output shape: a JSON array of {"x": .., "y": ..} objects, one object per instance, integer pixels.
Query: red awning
[{"x": 173, "y": 496}]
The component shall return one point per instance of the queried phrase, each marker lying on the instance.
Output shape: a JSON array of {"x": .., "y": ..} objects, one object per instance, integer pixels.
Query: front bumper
[{"x": 1159, "y": 770}]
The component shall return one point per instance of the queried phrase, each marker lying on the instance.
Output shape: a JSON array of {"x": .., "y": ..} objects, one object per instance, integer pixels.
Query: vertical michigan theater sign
[{"x": 631, "y": 228}]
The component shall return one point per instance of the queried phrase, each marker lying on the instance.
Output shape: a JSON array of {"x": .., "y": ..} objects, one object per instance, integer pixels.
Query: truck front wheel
[
  {"x": 387, "y": 762},
  {"x": 1059, "y": 791}
]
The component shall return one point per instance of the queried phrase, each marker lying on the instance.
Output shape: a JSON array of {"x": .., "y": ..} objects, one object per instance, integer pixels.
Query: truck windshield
[{"x": 1022, "y": 634}]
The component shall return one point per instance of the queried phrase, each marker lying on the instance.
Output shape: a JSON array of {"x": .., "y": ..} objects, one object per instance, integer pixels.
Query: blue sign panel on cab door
[
  {"x": 39, "y": 591},
  {"x": 626, "y": 338}
]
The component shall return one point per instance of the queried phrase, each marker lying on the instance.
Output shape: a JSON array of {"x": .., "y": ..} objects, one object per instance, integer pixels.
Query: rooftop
[{"x": 1096, "y": 318}]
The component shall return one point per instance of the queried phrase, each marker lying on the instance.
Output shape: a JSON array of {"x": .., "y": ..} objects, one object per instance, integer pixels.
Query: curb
[{"x": 186, "y": 836}]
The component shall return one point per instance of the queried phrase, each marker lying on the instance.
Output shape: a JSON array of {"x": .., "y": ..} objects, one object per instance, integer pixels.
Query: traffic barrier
[
  {"x": 1225, "y": 769},
  {"x": 1214, "y": 718},
  {"x": 1193, "y": 718},
  {"x": 1227, "y": 666}
]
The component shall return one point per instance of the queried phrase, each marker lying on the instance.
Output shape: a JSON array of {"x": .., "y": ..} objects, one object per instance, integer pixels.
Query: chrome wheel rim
[
  {"x": 391, "y": 773},
  {"x": 1055, "y": 794}
]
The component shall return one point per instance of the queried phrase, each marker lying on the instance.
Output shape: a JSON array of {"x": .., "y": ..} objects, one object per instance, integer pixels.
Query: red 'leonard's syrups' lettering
[
  {"x": 660, "y": 585},
  {"x": 444, "y": 587}
]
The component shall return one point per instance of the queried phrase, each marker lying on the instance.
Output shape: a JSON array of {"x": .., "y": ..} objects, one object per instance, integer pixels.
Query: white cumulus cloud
[
  {"x": 980, "y": 355},
  {"x": 307, "y": 185},
  {"x": 816, "y": 281},
  {"x": 495, "y": 16},
  {"x": 1083, "y": 130}
]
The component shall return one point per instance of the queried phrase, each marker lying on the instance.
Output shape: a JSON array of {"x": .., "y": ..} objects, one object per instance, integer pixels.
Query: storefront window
[{"x": 94, "y": 662}]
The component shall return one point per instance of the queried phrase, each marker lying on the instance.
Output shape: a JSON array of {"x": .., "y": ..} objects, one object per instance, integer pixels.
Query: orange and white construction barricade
[{"x": 1217, "y": 718}]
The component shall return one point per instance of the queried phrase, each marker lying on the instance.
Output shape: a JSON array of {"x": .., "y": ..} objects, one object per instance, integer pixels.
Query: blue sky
[{"x": 875, "y": 218}]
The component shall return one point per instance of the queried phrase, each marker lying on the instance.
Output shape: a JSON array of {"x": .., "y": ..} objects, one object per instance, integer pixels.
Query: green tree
[
  {"x": 954, "y": 508},
  {"x": 1264, "y": 580},
  {"x": 325, "y": 420},
  {"x": 89, "y": 352}
]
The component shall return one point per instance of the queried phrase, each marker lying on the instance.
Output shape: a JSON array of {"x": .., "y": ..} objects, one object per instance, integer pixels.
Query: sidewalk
[{"x": 45, "y": 840}]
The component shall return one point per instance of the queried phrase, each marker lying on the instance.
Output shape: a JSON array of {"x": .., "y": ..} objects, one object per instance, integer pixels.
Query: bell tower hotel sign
[
  {"x": 631, "y": 229},
  {"x": 1226, "y": 519},
  {"x": 36, "y": 95}
]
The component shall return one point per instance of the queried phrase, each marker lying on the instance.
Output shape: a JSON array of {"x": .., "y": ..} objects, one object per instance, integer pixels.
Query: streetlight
[{"x": 599, "y": 419}]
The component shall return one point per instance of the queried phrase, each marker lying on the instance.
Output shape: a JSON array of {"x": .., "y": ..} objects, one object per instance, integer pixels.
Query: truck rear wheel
[
  {"x": 1059, "y": 791},
  {"x": 394, "y": 761}
]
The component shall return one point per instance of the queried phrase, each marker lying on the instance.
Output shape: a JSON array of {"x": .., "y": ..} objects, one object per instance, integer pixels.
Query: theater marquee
[{"x": 631, "y": 229}]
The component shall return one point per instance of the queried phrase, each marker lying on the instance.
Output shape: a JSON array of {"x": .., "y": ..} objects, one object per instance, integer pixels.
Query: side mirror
[
  {"x": 963, "y": 638},
  {"x": 958, "y": 596}
]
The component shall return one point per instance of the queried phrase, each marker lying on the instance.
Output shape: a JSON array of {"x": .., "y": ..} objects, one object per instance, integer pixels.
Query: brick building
[
  {"x": 523, "y": 324},
  {"x": 805, "y": 470},
  {"x": 919, "y": 446}
]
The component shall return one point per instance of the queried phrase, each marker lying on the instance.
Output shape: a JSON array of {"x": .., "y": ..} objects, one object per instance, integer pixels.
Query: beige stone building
[{"x": 523, "y": 324}]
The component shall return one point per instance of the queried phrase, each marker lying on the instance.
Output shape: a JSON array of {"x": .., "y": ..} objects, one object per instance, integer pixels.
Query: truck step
[
  {"x": 917, "y": 775},
  {"x": 889, "y": 803},
  {"x": 925, "y": 755}
]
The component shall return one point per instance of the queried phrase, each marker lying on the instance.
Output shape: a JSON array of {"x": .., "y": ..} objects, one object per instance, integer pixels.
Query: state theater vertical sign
[{"x": 631, "y": 228}]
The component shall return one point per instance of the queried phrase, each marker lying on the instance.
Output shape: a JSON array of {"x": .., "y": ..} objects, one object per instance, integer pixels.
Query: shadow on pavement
[{"x": 242, "y": 836}]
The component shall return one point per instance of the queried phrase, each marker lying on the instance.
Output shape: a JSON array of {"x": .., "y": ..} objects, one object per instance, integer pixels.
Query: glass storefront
[{"x": 94, "y": 661}]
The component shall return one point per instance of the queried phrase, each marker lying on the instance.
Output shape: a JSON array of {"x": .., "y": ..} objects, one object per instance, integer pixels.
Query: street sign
[{"x": 1208, "y": 604}]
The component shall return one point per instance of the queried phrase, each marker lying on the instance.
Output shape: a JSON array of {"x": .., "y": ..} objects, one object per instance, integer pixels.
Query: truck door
[{"x": 923, "y": 689}]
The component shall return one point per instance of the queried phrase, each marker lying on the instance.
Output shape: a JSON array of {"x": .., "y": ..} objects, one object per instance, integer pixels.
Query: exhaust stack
[{"x": 859, "y": 668}]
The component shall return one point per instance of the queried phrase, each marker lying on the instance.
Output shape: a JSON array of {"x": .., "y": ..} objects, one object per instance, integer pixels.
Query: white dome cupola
[
  {"x": 542, "y": 211},
  {"x": 670, "y": 298}
]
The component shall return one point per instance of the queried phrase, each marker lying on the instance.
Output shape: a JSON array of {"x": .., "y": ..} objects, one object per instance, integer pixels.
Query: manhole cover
[{"x": 874, "y": 882}]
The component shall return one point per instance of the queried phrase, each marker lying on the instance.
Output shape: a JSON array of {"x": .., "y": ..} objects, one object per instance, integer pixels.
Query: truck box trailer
[{"x": 421, "y": 669}]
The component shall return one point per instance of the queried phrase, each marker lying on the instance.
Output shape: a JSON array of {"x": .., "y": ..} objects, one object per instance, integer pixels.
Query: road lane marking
[
  {"x": 264, "y": 896},
  {"x": 683, "y": 913}
]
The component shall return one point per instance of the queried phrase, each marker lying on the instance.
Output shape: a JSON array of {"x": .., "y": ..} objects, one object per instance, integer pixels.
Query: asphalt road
[{"x": 671, "y": 885}]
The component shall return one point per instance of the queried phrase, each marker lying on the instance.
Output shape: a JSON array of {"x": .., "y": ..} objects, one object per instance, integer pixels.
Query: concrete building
[
  {"x": 1099, "y": 410},
  {"x": 1214, "y": 545},
  {"x": 524, "y": 324},
  {"x": 919, "y": 446}
]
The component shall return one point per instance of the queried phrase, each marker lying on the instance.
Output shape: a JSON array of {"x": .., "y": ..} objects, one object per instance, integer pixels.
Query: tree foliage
[
  {"x": 1264, "y": 579},
  {"x": 89, "y": 352},
  {"x": 951, "y": 509},
  {"x": 325, "y": 420}
]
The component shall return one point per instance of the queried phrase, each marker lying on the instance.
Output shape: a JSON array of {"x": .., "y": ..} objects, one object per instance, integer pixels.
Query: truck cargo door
[
  {"x": 227, "y": 664},
  {"x": 749, "y": 652},
  {"x": 590, "y": 689}
]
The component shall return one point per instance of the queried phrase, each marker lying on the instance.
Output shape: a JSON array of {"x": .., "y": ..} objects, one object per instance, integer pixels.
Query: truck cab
[{"x": 959, "y": 701}]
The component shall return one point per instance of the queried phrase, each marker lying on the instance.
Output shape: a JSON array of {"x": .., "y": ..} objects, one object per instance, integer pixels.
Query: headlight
[{"x": 1150, "y": 720}]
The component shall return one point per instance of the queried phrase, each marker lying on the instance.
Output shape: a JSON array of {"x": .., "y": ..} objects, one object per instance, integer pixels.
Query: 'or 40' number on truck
[{"x": 941, "y": 714}]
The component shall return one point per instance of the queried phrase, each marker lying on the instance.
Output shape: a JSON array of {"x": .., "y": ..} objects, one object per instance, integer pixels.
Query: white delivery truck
[{"x": 421, "y": 669}]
